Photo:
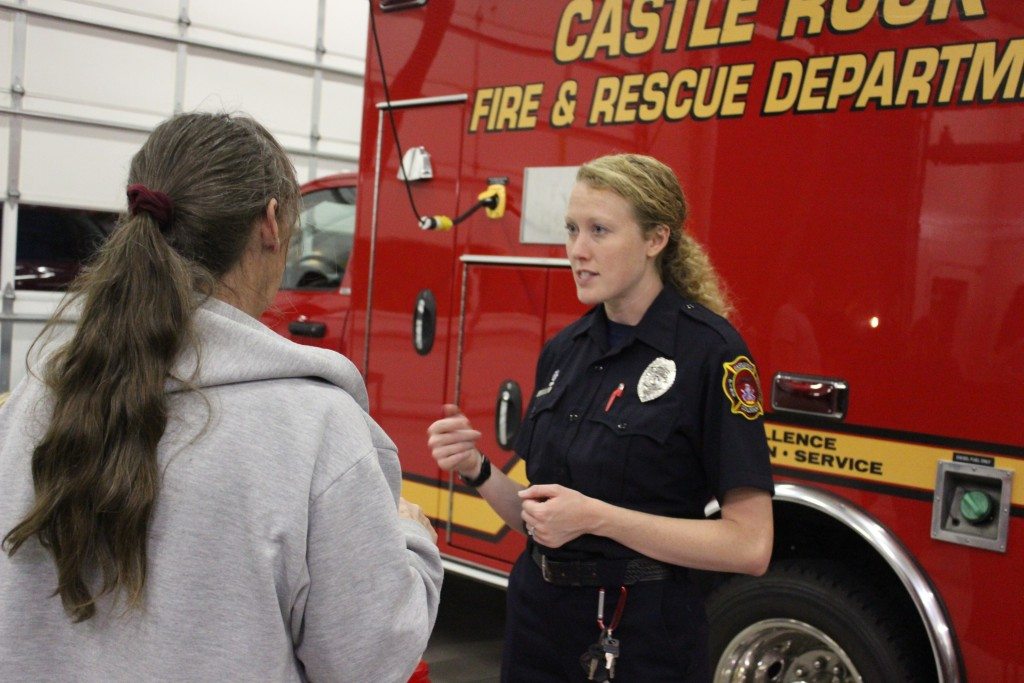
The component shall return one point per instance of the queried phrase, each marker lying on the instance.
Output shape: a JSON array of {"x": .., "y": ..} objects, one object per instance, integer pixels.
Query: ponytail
[
  {"x": 95, "y": 470},
  {"x": 686, "y": 266}
]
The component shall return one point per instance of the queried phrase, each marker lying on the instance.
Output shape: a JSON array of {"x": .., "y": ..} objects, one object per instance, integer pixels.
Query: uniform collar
[{"x": 657, "y": 328}]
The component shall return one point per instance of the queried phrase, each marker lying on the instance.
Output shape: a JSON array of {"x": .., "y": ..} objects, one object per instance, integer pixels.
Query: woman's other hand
[
  {"x": 407, "y": 510},
  {"x": 554, "y": 514}
]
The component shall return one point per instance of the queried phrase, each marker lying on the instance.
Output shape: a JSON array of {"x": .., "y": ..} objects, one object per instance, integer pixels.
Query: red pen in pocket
[{"x": 615, "y": 394}]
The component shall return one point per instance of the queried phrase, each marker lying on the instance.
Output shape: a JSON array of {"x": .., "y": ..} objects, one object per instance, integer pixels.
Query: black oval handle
[
  {"x": 307, "y": 328},
  {"x": 508, "y": 414},
  {"x": 424, "y": 322}
]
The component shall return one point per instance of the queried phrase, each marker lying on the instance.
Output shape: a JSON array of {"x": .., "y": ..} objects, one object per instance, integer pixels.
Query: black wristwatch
[{"x": 485, "y": 473}]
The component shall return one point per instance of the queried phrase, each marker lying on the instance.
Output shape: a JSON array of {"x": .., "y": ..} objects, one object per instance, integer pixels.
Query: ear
[
  {"x": 270, "y": 231},
  {"x": 656, "y": 240}
]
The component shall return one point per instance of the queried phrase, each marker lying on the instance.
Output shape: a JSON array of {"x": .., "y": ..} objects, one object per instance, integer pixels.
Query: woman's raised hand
[{"x": 452, "y": 442}]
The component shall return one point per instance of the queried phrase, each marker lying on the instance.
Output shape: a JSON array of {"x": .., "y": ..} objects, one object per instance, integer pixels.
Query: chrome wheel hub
[{"x": 784, "y": 651}]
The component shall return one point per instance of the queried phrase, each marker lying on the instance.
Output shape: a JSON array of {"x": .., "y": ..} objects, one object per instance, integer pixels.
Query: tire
[{"x": 806, "y": 621}]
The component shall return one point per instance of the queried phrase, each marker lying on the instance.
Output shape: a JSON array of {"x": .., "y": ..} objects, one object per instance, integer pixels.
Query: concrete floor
[{"x": 465, "y": 646}]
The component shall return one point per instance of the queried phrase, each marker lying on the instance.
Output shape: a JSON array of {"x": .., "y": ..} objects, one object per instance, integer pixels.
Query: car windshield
[{"x": 319, "y": 250}]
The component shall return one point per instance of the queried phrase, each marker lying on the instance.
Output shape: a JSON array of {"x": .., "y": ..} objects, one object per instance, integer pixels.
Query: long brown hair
[
  {"x": 95, "y": 470},
  {"x": 657, "y": 199}
]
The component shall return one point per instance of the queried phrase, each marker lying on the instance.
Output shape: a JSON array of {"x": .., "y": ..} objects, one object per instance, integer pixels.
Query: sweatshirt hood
[{"x": 224, "y": 328}]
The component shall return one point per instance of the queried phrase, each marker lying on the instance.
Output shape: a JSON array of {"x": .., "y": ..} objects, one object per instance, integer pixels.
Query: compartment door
[
  {"x": 410, "y": 292},
  {"x": 502, "y": 328}
]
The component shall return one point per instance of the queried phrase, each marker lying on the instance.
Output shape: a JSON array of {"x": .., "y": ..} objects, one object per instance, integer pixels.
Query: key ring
[{"x": 617, "y": 617}]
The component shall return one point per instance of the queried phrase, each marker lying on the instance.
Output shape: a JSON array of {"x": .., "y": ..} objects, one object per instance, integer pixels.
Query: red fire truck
[{"x": 854, "y": 169}]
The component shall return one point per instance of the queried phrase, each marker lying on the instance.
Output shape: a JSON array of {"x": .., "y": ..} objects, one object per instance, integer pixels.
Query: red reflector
[{"x": 807, "y": 394}]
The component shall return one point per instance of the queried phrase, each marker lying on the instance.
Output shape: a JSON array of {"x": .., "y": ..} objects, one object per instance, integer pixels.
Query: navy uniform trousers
[{"x": 662, "y": 634}]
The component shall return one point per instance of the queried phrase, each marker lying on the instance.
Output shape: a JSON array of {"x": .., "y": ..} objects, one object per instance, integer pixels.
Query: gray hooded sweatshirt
[{"x": 275, "y": 549}]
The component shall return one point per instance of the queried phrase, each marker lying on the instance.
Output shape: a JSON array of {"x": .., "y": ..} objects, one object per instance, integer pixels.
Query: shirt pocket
[
  {"x": 639, "y": 422},
  {"x": 610, "y": 446},
  {"x": 538, "y": 421},
  {"x": 641, "y": 458}
]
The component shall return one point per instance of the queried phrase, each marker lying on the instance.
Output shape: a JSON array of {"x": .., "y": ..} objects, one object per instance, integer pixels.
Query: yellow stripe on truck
[
  {"x": 873, "y": 459},
  {"x": 859, "y": 458},
  {"x": 468, "y": 509}
]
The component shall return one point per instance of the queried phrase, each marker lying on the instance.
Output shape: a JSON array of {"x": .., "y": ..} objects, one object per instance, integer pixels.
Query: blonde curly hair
[{"x": 653, "y": 191}]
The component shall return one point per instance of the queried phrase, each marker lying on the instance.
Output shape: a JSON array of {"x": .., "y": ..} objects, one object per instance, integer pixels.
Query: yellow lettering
[
  {"x": 481, "y": 105},
  {"x": 919, "y": 68},
  {"x": 952, "y": 57},
  {"x": 811, "y": 11},
  {"x": 629, "y": 95},
  {"x": 844, "y": 20},
  {"x": 607, "y": 34},
  {"x": 812, "y": 92},
  {"x": 783, "y": 87},
  {"x": 675, "y": 25},
  {"x": 849, "y": 75},
  {"x": 654, "y": 97},
  {"x": 566, "y": 51},
  {"x": 531, "y": 103},
  {"x": 564, "y": 110},
  {"x": 847, "y": 16},
  {"x": 700, "y": 34},
  {"x": 896, "y": 14},
  {"x": 878, "y": 84},
  {"x": 736, "y": 88},
  {"x": 492, "y": 115},
  {"x": 703, "y": 107},
  {"x": 678, "y": 107},
  {"x": 508, "y": 115},
  {"x": 642, "y": 39},
  {"x": 969, "y": 9},
  {"x": 734, "y": 32},
  {"x": 990, "y": 76},
  {"x": 602, "y": 110}
]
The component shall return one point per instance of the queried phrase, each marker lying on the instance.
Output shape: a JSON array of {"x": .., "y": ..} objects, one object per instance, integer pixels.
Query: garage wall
[{"x": 83, "y": 82}]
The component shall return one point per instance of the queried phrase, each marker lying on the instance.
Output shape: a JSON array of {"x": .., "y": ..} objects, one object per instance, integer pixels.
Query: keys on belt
[{"x": 599, "y": 660}]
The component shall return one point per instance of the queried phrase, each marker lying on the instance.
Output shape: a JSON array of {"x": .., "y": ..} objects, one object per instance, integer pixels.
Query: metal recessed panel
[{"x": 954, "y": 481}]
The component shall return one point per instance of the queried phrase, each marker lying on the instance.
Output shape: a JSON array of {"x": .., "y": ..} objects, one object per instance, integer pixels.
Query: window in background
[
  {"x": 320, "y": 249},
  {"x": 54, "y": 244}
]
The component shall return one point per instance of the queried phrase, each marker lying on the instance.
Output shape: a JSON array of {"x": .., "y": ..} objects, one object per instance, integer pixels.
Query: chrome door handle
[{"x": 810, "y": 395}]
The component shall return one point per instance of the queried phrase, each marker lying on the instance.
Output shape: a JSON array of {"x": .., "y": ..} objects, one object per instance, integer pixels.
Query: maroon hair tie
[{"x": 155, "y": 203}]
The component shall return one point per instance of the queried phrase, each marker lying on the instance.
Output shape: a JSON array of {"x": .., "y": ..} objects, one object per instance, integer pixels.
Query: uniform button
[
  {"x": 622, "y": 426},
  {"x": 573, "y": 417},
  {"x": 598, "y": 368},
  {"x": 689, "y": 306}
]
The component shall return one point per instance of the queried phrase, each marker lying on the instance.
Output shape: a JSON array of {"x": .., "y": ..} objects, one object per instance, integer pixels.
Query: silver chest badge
[{"x": 656, "y": 379}]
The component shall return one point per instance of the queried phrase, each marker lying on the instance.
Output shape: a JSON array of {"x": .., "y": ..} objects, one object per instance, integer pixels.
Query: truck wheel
[{"x": 811, "y": 622}]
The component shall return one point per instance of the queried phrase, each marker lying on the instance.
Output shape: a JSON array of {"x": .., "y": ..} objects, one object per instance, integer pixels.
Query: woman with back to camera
[
  {"x": 644, "y": 409},
  {"x": 184, "y": 494}
]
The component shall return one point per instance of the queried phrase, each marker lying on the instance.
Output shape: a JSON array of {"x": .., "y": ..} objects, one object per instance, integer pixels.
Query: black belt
[{"x": 589, "y": 572}]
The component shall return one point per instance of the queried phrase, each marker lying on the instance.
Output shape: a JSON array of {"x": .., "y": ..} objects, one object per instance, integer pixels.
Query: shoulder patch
[{"x": 742, "y": 387}]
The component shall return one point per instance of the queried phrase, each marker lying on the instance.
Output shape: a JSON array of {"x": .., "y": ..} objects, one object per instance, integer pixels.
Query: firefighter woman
[{"x": 645, "y": 410}]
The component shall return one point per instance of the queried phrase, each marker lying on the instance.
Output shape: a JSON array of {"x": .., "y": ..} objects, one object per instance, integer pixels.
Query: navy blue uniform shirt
[{"x": 697, "y": 434}]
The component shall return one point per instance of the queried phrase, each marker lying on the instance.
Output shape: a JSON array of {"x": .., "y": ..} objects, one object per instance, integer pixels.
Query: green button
[{"x": 976, "y": 506}]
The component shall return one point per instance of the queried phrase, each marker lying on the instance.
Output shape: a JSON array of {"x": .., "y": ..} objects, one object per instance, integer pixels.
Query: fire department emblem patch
[
  {"x": 656, "y": 379},
  {"x": 742, "y": 387}
]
